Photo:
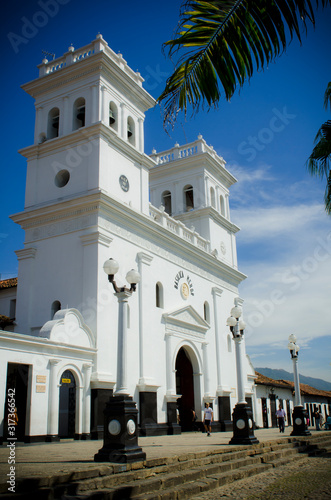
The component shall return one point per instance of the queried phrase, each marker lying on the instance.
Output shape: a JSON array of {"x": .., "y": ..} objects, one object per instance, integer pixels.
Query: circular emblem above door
[
  {"x": 186, "y": 287},
  {"x": 124, "y": 183},
  {"x": 185, "y": 291}
]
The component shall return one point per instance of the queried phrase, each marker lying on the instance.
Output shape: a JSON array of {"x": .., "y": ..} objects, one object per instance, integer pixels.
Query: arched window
[
  {"x": 159, "y": 295},
  {"x": 56, "y": 306},
  {"x": 113, "y": 115},
  {"x": 188, "y": 198},
  {"x": 53, "y": 123},
  {"x": 212, "y": 197},
  {"x": 229, "y": 341},
  {"x": 79, "y": 114},
  {"x": 206, "y": 312},
  {"x": 131, "y": 131},
  {"x": 166, "y": 202},
  {"x": 222, "y": 205}
]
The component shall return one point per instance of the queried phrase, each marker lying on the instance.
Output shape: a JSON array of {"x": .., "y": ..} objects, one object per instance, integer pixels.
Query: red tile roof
[
  {"x": 8, "y": 283},
  {"x": 287, "y": 384}
]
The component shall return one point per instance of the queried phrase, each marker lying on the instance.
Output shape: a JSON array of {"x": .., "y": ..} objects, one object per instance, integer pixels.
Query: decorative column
[
  {"x": 217, "y": 201},
  {"x": 205, "y": 370},
  {"x": 234, "y": 251},
  {"x": 169, "y": 372},
  {"x": 141, "y": 135},
  {"x": 65, "y": 122},
  {"x": 143, "y": 260},
  {"x": 299, "y": 421},
  {"x": 94, "y": 109},
  {"x": 104, "y": 108},
  {"x": 217, "y": 292},
  {"x": 224, "y": 402},
  {"x": 53, "y": 403},
  {"x": 175, "y": 203},
  {"x": 25, "y": 298},
  {"x": 171, "y": 397},
  {"x": 240, "y": 374},
  {"x": 87, "y": 369},
  {"x": 122, "y": 126},
  {"x": 120, "y": 416},
  {"x": 226, "y": 206},
  {"x": 207, "y": 194},
  {"x": 38, "y": 125},
  {"x": 122, "y": 383},
  {"x": 202, "y": 198},
  {"x": 242, "y": 414},
  {"x": 80, "y": 409}
]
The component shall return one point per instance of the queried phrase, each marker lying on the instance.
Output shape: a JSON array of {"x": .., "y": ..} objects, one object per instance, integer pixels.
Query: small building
[
  {"x": 8, "y": 292},
  {"x": 272, "y": 393}
]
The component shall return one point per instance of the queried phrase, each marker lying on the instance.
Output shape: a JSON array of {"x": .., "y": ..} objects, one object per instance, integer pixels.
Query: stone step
[
  {"x": 160, "y": 476},
  {"x": 185, "y": 484},
  {"x": 224, "y": 461}
]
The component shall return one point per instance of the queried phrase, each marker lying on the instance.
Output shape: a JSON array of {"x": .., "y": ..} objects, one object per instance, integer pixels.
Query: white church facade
[{"x": 93, "y": 194}]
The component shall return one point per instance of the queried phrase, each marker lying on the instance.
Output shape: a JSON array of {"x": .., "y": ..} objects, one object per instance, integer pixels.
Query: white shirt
[{"x": 208, "y": 413}]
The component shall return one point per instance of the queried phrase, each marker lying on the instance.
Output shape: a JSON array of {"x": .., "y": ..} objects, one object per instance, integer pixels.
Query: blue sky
[{"x": 265, "y": 134}]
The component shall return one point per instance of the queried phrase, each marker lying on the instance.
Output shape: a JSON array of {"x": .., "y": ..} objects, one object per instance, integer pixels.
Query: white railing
[
  {"x": 74, "y": 56},
  {"x": 191, "y": 149},
  {"x": 177, "y": 227}
]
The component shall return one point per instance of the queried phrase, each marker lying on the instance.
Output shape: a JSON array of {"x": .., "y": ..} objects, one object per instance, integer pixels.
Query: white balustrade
[
  {"x": 74, "y": 56},
  {"x": 177, "y": 227},
  {"x": 197, "y": 147}
]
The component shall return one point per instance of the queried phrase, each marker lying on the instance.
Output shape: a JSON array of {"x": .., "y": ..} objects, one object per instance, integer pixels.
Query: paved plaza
[{"x": 48, "y": 459}]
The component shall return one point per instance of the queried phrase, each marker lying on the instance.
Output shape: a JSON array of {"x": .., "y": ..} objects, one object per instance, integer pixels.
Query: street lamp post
[
  {"x": 242, "y": 415},
  {"x": 120, "y": 415},
  {"x": 299, "y": 422}
]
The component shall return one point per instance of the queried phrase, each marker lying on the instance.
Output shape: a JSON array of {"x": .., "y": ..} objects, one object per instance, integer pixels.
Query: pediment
[{"x": 186, "y": 318}]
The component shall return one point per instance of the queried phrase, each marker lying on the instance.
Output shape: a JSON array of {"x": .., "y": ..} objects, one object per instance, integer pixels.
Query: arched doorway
[
  {"x": 185, "y": 387},
  {"x": 67, "y": 405}
]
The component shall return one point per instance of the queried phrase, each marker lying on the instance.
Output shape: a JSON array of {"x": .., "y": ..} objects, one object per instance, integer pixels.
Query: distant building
[
  {"x": 88, "y": 190},
  {"x": 270, "y": 393},
  {"x": 8, "y": 292}
]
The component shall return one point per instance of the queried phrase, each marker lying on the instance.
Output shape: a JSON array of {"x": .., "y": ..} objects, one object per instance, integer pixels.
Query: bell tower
[
  {"x": 87, "y": 158},
  {"x": 192, "y": 185}
]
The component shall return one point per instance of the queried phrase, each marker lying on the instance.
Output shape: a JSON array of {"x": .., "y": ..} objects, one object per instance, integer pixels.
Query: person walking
[
  {"x": 281, "y": 415},
  {"x": 317, "y": 417},
  {"x": 194, "y": 420},
  {"x": 208, "y": 418}
]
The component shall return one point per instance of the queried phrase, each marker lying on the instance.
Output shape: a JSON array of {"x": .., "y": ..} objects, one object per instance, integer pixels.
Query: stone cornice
[
  {"x": 26, "y": 253},
  {"x": 33, "y": 343},
  {"x": 134, "y": 226},
  {"x": 96, "y": 237},
  {"x": 54, "y": 213},
  {"x": 96, "y": 64},
  {"x": 202, "y": 161},
  {"x": 163, "y": 237},
  {"x": 80, "y": 136}
]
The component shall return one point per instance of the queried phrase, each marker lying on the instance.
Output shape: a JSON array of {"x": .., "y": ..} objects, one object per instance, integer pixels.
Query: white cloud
[
  {"x": 261, "y": 223},
  {"x": 284, "y": 247},
  {"x": 243, "y": 174}
]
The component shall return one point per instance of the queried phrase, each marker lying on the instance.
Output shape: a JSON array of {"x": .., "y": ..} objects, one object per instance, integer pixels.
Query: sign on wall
[{"x": 184, "y": 284}]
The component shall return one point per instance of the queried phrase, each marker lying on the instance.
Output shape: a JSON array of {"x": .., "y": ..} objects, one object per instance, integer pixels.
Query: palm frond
[
  {"x": 327, "y": 96},
  {"x": 318, "y": 163},
  {"x": 223, "y": 42},
  {"x": 327, "y": 195}
]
